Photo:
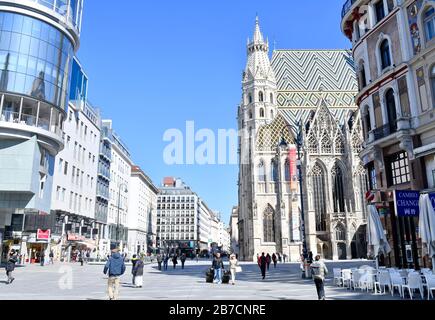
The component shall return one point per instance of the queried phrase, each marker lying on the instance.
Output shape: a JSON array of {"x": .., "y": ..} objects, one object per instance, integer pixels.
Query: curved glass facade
[
  {"x": 71, "y": 10},
  {"x": 35, "y": 59}
]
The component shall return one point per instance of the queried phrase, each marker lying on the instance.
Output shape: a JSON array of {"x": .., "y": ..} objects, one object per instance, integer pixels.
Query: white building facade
[
  {"x": 119, "y": 191},
  {"x": 183, "y": 219},
  {"x": 142, "y": 216},
  {"x": 75, "y": 175}
]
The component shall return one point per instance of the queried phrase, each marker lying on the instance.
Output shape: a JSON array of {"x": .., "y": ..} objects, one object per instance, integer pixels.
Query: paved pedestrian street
[{"x": 73, "y": 282}]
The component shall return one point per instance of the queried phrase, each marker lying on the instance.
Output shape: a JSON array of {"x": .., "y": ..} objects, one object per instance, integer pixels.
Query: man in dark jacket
[
  {"x": 10, "y": 266},
  {"x": 114, "y": 268},
  {"x": 263, "y": 265},
  {"x": 268, "y": 261},
  {"x": 175, "y": 261},
  {"x": 183, "y": 260},
  {"x": 218, "y": 266}
]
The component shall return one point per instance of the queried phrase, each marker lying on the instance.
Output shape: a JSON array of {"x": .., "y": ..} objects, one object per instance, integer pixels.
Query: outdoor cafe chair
[
  {"x": 414, "y": 283},
  {"x": 368, "y": 280},
  {"x": 396, "y": 282},
  {"x": 338, "y": 279},
  {"x": 355, "y": 281},
  {"x": 430, "y": 284},
  {"x": 384, "y": 280},
  {"x": 347, "y": 276}
]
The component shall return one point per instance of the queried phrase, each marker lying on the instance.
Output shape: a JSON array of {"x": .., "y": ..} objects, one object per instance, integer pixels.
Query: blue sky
[{"x": 153, "y": 65}]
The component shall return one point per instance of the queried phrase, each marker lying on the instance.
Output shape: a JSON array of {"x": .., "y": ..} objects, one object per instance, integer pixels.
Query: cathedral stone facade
[{"x": 309, "y": 93}]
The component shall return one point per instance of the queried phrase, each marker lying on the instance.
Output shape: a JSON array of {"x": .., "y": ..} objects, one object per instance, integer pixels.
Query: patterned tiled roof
[{"x": 307, "y": 77}]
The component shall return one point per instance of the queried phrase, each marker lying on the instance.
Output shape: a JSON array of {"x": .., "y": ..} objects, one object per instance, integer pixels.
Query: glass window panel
[
  {"x": 34, "y": 47},
  {"x": 8, "y": 21},
  {"x": 15, "y": 42},
  {"x": 42, "y": 50},
  {"x": 36, "y": 28},
  {"x": 25, "y": 45},
  {"x": 5, "y": 40},
  {"x": 20, "y": 81},
  {"x": 11, "y": 82},
  {"x": 27, "y": 26},
  {"x": 22, "y": 64},
  {"x": 18, "y": 23}
]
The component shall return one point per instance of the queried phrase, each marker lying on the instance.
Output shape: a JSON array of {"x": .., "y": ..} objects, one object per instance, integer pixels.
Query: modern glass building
[{"x": 38, "y": 40}]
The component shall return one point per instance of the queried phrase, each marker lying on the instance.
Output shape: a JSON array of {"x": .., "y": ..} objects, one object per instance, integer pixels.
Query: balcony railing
[
  {"x": 384, "y": 131},
  {"x": 346, "y": 7},
  {"x": 29, "y": 120}
]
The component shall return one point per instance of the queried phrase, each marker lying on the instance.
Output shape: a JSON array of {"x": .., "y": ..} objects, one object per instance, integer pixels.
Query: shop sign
[
  {"x": 75, "y": 237},
  {"x": 407, "y": 203},
  {"x": 432, "y": 199},
  {"x": 43, "y": 235}
]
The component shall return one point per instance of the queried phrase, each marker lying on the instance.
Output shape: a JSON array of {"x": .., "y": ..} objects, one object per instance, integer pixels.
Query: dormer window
[{"x": 429, "y": 23}]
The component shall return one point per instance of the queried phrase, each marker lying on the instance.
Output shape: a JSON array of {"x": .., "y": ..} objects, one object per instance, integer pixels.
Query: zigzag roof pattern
[{"x": 314, "y": 70}]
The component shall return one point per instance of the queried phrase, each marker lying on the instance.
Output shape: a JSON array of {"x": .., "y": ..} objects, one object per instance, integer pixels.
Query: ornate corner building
[
  {"x": 393, "y": 49},
  {"x": 312, "y": 93}
]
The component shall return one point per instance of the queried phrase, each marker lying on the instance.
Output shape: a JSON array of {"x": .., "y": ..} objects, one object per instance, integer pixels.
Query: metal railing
[
  {"x": 384, "y": 131},
  {"x": 29, "y": 120},
  {"x": 346, "y": 7}
]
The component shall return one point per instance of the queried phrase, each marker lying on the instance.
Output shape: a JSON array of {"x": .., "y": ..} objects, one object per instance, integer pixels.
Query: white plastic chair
[
  {"x": 338, "y": 279},
  {"x": 414, "y": 283},
  {"x": 396, "y": 282},
  {"x": 384, "y": 281},
  {"x": 368, "y": 281},
  {"x": 430, "y": 283},
  {"x": 347, "y": 276},
  {"x": 355, "y": 281}
]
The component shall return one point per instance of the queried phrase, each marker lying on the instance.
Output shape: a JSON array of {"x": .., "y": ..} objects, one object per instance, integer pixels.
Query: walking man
[
  {"x": 183, "y": 260},
  {"x": 10, "y": 266},
  {"x": 268, "y": 261},
  {"x": 319, "y": 271},
  {"x": 175, "y": 261},
  {"x": 114, "y": 268},
  {"x": 218, "y": 266},
  {"x": 275, "y": 260},
  {"x": 51, "y": 256},
  {"x": 263, "y": 265},
  {"x": 159, "y": 261},
  {"x": 134, "y": 260},
  {"x": 42, "y": 257},
  {"x": 165, "y": 262}
]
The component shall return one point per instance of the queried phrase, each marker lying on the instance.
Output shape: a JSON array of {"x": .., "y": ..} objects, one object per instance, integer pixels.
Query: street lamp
[
  {"x": 119, "y": 205},
  {"x": 299, "y": 144}
]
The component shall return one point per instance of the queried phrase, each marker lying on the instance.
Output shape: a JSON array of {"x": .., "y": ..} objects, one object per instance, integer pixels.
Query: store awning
[{"x": 424, "y": 151}]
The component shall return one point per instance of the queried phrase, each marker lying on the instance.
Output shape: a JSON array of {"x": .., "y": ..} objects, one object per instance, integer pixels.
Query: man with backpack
[
  {"x": 114, "y": 268},
  {"x": 319, "y": 271}
]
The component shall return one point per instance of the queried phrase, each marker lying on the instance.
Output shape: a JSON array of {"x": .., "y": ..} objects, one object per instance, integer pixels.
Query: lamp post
[
  {"x": 119, "y": 205},
  {"x": 299, "y": 144}
]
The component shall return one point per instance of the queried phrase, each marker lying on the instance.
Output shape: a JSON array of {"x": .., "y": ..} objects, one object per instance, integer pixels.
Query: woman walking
[
  {"x": 138, "y": 273},
  {"x": 10, "y": 266},
  {"x": 234, "y": 265}
]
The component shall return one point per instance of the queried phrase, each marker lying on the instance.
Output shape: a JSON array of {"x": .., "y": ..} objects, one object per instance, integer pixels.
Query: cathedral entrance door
[{"x": 342, "y": 251}]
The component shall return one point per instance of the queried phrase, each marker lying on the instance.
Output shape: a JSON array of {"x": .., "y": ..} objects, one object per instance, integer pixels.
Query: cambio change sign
[{"x": 407, "y": 203}]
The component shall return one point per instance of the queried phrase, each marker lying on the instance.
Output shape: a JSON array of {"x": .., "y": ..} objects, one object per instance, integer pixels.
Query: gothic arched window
[
  {"x": 261, "y": 113},
  {"x": 271, "y": 98},
  {"x": 319, "y": 192},
  {"x": 271, "y": 114},
  {"x": 338, "y": 189},
  {"x": 313, "y": 146},
  {"x": 340, "y": 233},
  {"x": 429, "y": 23},
  {"x": 287, "y": 170},
  {"x": 250, "y": 98},
  {"x": 269, "y": 225},
  {"x": 261, "y": 96},
  {"x": 274, "y": 170},
  {"x": 261, "y": 172},
  {"x": 326, "y": 144},
  {"x": 339, "y": 145}
]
